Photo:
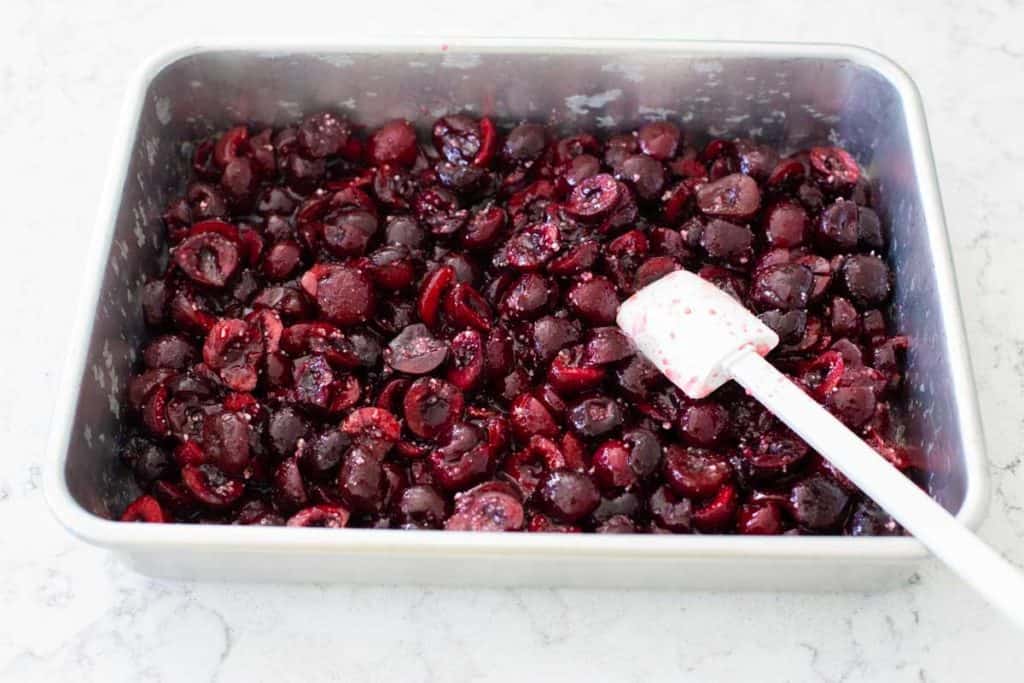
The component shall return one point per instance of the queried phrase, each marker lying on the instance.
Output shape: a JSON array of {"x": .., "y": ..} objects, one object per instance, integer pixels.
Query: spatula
[{"x": 699, "y": 337}]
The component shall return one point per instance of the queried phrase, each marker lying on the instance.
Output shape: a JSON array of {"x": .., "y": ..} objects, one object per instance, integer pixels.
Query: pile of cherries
[{"x": 364, "y": 330}]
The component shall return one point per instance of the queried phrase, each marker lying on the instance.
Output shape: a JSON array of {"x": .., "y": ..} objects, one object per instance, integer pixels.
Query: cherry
[
  {"x": 431, "y": 406},
  {"x": 145, "y": 509},
  {"x": 594, "y": 197},
  {"x": 320, "y": 457},
  {"x": 606, "y": 345},
  {"x": 671, "y": 511},
  {"x": 234, "y": 349},
  {"x": 703, "y": 424},
  {"x": 594, "y": 299},
  {"x": 289, "y": 487},
  {"x": 466, "y": 307},
  {"x": 210, "y": 486},
  {"x": 644, "y": 174},
  {"x": 659, "y": 139},
  {"x": 817, "y": 503},
  {"x": 457, "y": 138},
  {"x": 694, "y": 472},
  {"x": 432, "y": 289},
  {"x": 373, "y": 430},
  {"x": 205, "y": 201},
  {"x": 718, "y": 513},
  {"x": 787, "y": 172},
  {"x": 595, "y": 416},
  {"x": 491, "y": 506},
  {"x": 569, "y": 374},
  {"x": 576, "y": 259},
  {"x": 169, "y": 351},
  {"x": 468, "y": 362},
  {"x": 404, "y": 231},
  {"x": 533, "y": 246},
  {"x": 438, "y": 209},
  {"x": 759, "y": 519},
  {"x": 148, "y": 461},
  {"x": 239, "y": 181},
  {"x": 484, "y": 227},
  {"x": 344, "y": 295},
  {"x": 420, "y": 507},
  {"x": 867, "y": 519},
  {"x": 838, "y": 226},
  {"x": 393, "y": 143},
  {"x": 735, "y": 196},
  {"x": 785, "y": 224},
  {"x": 207, "y": 258},
  {"x": 611, "y": 465},
  {"x": 226, "y": 441},
  {"x": 528, "y": 297},
  {"x": 835, "y": 166},
  {"x": 551, "y": 334},
  {"x": 416, "y": 351},
  {"x": 728, "y": 242},
  {"x": 330, "y": 516},
  {"x": 775, "y": 454},
  {"x": 528, "y": 416},
  {"x": 462, "y": 460},
  {"x": 866, "y": 278},
  {"x": 322, "y": 135},
  {"x": 785, "y": 286},
  {"x": 285, "y": 428},
  {"x": 756, "y": 161},
  {"x": 524, "y": 143},
  {"x": 312, "y": 379},
  {"x": 361, "y": 481},
  {"x": 348, "y": 232},
  {"x": 568, "y": 496}
]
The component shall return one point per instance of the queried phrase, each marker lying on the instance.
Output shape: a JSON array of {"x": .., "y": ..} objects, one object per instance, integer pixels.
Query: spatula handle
[{"x": 997, "y": 580}]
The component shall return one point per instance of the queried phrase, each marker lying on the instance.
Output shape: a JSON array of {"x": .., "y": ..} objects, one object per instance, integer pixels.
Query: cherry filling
[{"x": 374, "y": 329}]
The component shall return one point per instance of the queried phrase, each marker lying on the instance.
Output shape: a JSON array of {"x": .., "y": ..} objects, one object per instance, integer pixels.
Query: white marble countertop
[{"x": 70, "y": 612}]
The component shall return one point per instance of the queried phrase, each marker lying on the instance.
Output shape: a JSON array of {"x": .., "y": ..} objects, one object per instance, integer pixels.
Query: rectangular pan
[{"x": 789, "y": 95}]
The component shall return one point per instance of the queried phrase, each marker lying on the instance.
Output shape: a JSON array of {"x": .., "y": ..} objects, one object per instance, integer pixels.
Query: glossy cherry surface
[{"x": 375, "y": 328}]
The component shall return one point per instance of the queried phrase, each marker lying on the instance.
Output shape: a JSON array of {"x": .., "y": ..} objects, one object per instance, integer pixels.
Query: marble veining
[{"x": 72, "y": 612}]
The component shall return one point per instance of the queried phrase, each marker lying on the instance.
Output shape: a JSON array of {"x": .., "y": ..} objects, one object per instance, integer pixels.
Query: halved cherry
[
  {"x": 416, "y": 351},
  {"x": 373, "y": 429},
  {"x": 330, "y": 516},
  {"x": 226, "y": 441},
  {"x": 234, "y": 349},
  {"x": 434, "y": 285},
  {"x": 488, "y": 143},
  {"x": 735, "y": 196},
  {"x": 207, "y": 258},
  {"x": 431, "y": 406},
  {"x": 491, "y": 506},
  {"x": 145, "y": 509},
  {"x": 344, "y": 295},
  {"x": 594, "y": 198},
  {"x": 694, "y": 472},
  {"x": 528, "y": 416},
  {"x": 462, "y": 458},
  {"x": 835, "y": 166},
  {"x": 467, "y": 368},
  {"x": 570, "y": 374},
  {"x": 210, "y": 486},
  {"x": 719, "y": 513}
]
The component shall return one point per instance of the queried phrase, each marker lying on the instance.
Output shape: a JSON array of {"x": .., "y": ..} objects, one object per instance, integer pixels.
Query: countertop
[{"x": 71, "y": 612}]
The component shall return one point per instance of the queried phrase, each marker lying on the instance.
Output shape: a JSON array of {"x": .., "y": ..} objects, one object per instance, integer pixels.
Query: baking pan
[{"x": 787, "y": 95}]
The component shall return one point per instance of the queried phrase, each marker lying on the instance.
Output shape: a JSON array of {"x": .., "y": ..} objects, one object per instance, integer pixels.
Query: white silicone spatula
[{"x": 700, "y": 337}]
